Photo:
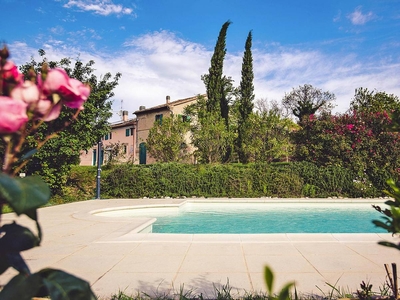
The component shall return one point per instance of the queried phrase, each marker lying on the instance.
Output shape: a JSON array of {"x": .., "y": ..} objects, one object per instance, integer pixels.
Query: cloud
[
  {"x": 358, "y": 18},
  {"x": 337, "y": 17},
  {"x": 101, "y": 7},
  {"x": 160, "y": 63}
]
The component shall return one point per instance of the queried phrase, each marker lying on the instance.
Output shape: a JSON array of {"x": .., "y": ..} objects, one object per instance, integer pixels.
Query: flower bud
[{"x": 4, "y": 54}]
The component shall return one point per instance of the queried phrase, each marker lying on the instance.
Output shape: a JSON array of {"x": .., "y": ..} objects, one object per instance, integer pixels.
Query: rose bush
[{"x": 24, "y": 105}]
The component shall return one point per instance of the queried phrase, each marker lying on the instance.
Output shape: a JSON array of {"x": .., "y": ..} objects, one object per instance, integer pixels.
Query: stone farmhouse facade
[
  {"x": 122, "y": 135},
  {"x": 132, "y": 134}
]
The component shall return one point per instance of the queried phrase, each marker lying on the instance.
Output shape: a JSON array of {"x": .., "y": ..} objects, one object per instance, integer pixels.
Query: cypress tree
[
  {"x": 214, "y": 80},
  {"x": 246, "y": 97}
]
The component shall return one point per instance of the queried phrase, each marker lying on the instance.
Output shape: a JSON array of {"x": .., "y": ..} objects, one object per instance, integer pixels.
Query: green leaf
[
  {"x": 285, "y": 291},
  {"x": 382, "y": 225},
  {"x": 389, "y": 244},
  {"x": 64, "y": 286},
  {"x": 17, "y": 238},
  {"x": 4, "y": 264},
  {"x": 24, "y": 195},
  {"x": 18, "y": 263},
  {"x": 21, "y": 287},
  {"x": 269, "y": 279},
  {"x": 28, "y": 154},
  {"x": 57, "y": 284}
]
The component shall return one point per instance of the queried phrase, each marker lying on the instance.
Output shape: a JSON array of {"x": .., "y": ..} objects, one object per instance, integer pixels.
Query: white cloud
[
  {"x": 159, "y": 64},
  {"x": 337, "y": 17},
  {"x": 358, "y": 18},
  {"x": 101, "y": 7}
]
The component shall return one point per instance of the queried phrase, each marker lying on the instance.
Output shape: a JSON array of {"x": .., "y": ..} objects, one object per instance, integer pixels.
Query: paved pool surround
[{"x": 112, "y": 256}]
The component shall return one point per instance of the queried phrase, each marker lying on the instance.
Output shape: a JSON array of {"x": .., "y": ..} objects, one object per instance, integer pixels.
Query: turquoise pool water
[{"x": 247, "y": 218}]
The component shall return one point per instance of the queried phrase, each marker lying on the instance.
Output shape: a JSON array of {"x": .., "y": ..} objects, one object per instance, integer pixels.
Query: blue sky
[{"x": 163, "y": 47}]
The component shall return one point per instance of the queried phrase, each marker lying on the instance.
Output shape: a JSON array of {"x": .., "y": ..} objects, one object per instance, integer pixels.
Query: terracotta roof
[
  {"x": 166, "y": 105},
  {"x": 123, "y": 123}
]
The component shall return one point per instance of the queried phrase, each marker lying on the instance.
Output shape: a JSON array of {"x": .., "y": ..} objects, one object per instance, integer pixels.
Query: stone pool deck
[{"x": 110, "y": 255}]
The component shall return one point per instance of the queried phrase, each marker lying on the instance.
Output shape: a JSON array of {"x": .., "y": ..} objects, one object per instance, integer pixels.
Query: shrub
[{"x": 230, "y": 180}]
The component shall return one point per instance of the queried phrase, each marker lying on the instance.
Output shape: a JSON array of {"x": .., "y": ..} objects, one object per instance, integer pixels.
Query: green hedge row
[{"x": 298, "y": 179}]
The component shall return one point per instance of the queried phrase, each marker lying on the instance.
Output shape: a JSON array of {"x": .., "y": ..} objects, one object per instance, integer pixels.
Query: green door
[{"x": 142, "y": 153}]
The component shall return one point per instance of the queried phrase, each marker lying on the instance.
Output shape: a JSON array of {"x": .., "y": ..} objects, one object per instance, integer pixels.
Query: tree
[
  {"x": 373, "y": 101},
  {"x": 245, "y": 101},
  {"x": 307, "y": 100},
  {"x": 167, "y": 140},
  {"x": 208, "y": 133},
  {"x": 219, "y": 88},
  {"x": 358, "y": 141},
  {"x": 214, "y": 80},
  {"x": 53, "y": 162}
]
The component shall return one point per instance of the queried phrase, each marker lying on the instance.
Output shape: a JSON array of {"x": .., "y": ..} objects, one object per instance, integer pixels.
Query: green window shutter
[
  {"x": 94, "y": 162},
  {"x": 127, "y": 132}
]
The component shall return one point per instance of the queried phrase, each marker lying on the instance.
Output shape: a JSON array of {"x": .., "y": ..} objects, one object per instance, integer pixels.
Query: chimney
[
  {"x": 141, "y": 107},
  {"x": 167, "y": 99},
  {"x": 125, "y": 115}
]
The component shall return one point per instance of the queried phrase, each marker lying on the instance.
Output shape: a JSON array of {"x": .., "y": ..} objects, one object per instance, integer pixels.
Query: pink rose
[
  {"x": 12, "y": 114},
  {"x": 10, "y": 76},
  {"x": 11, "y": 73},
  {"x": 27, "y": 92},
  {"x": 77, "y": 100},
  {"x": 47, "y": 110},
  {"x": 72, "y": 92}
]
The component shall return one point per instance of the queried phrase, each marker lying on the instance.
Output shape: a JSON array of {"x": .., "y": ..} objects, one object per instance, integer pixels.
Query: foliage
[
  {"x": 219, "y": 90},
  {"x": 80, "y": 185},
  {"x": 269, "y": 137},
  {"x": 372, "y": 102},
  {"x": 245, "y": 102},
  {"x": 284, "y": 293},
  {"x": 208, "y": 133},
  {"x": 82, "y": 133},
  {"x": 214, "y": 80},
  {"x": 167, "y": 139},
  {"x": 25, "y": 105},
  {"x": 391, "y": 215},
  {"x": 115, "y": 153},
  {"x": 356, "y": 141},
  {"x": 228, "y": 180},
  {"x": 306, "y": 100}
]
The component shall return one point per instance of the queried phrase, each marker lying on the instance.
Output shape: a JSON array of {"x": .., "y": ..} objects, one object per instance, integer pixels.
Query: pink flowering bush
[
  {"x": 357, "y": 141},
  {"x": 25, "y": 104}
]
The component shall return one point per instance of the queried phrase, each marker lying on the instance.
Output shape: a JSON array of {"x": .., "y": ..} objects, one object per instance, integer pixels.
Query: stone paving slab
[{"x": 112, "y": 256}]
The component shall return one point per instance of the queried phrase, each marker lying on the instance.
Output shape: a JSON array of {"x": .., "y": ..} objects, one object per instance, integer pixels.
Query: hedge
[{"x": 297, "y": 179}]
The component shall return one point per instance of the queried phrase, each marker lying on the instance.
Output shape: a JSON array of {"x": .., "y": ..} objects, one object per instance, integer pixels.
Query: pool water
[{"x": 247, "y": 218}]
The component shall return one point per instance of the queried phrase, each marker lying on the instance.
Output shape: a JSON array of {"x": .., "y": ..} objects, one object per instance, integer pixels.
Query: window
[
  {"x": 108, "y": 136},
  {"x": 94, "y": 162},
  {"x": 159, "y": 118},
  {"x": 125, "y": 148},
  {"x": 128, "y": 131}
]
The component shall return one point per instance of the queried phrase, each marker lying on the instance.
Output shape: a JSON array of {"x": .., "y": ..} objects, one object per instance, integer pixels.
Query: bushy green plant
[
  {"x": 228, "y": 180},
  {"x": 357, "y": 141}
]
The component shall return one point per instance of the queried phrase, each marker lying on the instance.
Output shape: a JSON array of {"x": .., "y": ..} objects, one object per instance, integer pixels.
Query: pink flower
[
  {"x": 12, "y": 114},
  {"x": 72, "y": 92},
  {"x": 10, "y": 72},
  {"x": 27, "y": 92},
  {"x": 10, "y": 76},
  {"x": 349, "y": 126},
  {"x": 47, "y": 110},
  {"x": 77, "y": 100}
]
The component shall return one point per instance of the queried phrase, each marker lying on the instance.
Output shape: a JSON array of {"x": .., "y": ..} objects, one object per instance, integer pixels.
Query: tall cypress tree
[
  {"x": 214, "y": 80},
  {"x": 246, "y": 97}
]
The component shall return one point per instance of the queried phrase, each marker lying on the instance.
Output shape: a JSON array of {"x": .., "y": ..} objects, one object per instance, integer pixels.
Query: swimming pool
[{"x": 248, "y": 218}]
